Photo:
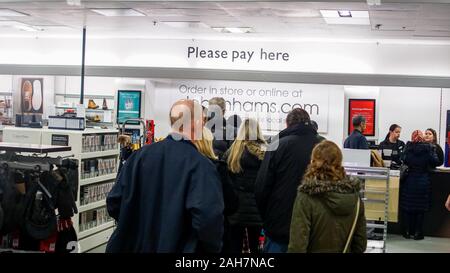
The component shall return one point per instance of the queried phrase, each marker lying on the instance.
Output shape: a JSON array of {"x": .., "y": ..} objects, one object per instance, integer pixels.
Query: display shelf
[
  {"x": 98, "y": 110},
  {"x": 373, "y": 200},
  {"x": 95, "y": 240},
  {"x": 88, "y": 181},
  {"x": 87, "y": 109},
  {"x": 92, "y": 237},
  {"x": 99, "y": 154},
  {"x": 371, "y": 225},
  {"x": 96, "y": 229},
  {"x": 76, "y": 96},
  {"x": 92, "y": 205}
]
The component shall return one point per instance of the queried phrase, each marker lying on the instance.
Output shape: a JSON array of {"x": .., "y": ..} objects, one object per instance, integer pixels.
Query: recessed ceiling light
[
  {"x": 360, "y": 14},
  {"x": 185, "y": 24},
  {"x": 11, "y": 13},
  {"x": 239, "y": 29},
  {"x": 344, "y": 13},
  {"x": 118, "y": 12},
  {"x": 329, "y": 13}
]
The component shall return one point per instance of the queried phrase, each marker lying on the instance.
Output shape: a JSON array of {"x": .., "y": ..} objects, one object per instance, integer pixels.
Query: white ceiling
[{"x": 269, "y": 20}]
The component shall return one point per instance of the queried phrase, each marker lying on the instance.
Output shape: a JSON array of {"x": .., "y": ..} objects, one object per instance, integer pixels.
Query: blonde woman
[
  {"x": 328, "y": 215},
  {"x": 244, "y": 159},
  {"x": 230, "y": 199}
]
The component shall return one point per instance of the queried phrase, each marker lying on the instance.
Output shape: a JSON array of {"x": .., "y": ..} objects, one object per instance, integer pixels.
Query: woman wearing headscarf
[{"x": 420, "y": 157}]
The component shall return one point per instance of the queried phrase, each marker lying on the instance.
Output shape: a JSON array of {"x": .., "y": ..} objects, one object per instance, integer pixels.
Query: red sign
[{"x": 365, "y": 108}]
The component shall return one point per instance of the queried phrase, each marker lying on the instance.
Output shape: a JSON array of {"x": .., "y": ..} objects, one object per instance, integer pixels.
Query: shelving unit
[
  {"x": 88, "y": 181},
  {"x": 6, "y": 108},
  {"x": 106, "y": 117},
  {"x": 98, "y": 235},
  {"x": 375, "y": 195}
]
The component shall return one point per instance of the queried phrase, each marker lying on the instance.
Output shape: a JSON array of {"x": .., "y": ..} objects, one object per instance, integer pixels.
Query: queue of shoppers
[{"x": 198, "y": 192}]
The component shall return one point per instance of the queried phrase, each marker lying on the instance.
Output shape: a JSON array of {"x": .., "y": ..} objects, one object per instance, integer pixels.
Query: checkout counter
[{"x": 437, "y": 219}]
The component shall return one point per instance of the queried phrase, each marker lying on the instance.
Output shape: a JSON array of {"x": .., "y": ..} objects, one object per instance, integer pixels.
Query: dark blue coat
[
  {"x": 167, "y": 198},
  {"x": 356, "y": 141},
  {"x": 415, "y": 189}
]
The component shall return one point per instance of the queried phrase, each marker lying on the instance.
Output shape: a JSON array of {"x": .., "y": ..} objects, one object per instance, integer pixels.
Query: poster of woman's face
[{"x": 32, "y": 95}]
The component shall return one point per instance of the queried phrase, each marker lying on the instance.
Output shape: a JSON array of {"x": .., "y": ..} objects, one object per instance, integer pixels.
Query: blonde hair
[
  {"x": 326, "y": 163},
  {"x": 205, "y": 144},
  {"x": 249, "y": 131},
  {"x": 219, "y": 101}
]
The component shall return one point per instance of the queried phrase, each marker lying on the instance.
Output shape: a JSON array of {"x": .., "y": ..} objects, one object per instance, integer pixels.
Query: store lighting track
[{"x": 118, "y": 12}]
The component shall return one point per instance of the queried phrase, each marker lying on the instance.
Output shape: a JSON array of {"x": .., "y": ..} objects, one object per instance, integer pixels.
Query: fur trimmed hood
[
  {"x": 256, "y": 149},
  {"x": 313, "y": 186},
  {"x": 339, "y": 196}
]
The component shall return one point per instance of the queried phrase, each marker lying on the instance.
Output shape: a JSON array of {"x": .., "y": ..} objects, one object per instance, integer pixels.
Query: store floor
[{"x": 395, "y": 244}]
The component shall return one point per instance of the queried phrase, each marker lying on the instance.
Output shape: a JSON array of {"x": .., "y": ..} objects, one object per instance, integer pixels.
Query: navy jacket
[
  {"x": 167, "y": 198},
  {"x": 415, "y": 189},
  {"x": 356, "y": 141}
]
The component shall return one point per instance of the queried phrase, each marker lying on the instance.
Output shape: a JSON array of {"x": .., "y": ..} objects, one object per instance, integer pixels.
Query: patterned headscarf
[{"x": 417, "y": 136}]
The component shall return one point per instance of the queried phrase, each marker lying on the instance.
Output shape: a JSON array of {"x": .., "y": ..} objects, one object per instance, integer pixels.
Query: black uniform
[{"x": 392, "y": 151}]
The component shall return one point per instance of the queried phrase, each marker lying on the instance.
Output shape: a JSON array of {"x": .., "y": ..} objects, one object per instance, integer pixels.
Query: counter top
[{"x": 45, "y": 129}]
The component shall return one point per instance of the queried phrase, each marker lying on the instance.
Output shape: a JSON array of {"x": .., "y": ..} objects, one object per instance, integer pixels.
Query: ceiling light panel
[
  {"x": 118, "y": 12},
  {"x": 239, "y": 29},
  {"x": 329, "y": 13},
  {"x": 11, "y": 13}
]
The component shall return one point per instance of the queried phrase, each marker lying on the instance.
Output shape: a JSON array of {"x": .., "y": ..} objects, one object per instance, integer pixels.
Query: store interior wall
[{"x": 412, "y": 108}]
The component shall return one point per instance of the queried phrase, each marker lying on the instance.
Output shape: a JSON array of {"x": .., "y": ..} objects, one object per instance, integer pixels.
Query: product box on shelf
[
  {"x": 96, "y": 192},
  {"x": 97, "y": 167}
]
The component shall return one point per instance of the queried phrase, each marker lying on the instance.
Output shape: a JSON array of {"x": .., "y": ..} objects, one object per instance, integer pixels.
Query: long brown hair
[
  {"x": 326, "y": 163},
  {"x": 435, "y": 138}
]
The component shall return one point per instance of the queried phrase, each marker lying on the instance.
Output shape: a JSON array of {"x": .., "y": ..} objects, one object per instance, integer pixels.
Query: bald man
[{"x": 168, "y": 197}]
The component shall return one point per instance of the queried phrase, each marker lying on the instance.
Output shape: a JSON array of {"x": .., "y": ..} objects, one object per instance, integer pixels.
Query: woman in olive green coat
[{"x": 326, "y": 205}]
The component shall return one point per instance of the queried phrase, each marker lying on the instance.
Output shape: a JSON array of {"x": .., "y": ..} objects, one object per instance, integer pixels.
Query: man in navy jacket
[
  {"x": 168, "y": 197},
  {"x": 356, "y": 140}
]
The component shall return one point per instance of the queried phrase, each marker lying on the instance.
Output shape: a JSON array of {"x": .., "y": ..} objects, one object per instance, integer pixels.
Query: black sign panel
[{"x": 60, "y": 140}]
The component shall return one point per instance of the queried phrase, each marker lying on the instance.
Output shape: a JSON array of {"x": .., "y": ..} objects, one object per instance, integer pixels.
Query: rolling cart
[
  {"x": 131, "y": 139},
  {"x": 375, "y": 195}
]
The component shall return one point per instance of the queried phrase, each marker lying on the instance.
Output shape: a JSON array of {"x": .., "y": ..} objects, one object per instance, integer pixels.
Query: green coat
[{"x": 323, "y": 216}]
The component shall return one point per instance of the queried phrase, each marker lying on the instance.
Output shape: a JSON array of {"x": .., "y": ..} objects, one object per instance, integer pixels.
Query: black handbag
[{"x": 404, "y": 170}]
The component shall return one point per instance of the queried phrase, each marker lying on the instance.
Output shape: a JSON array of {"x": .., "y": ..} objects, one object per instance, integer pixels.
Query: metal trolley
[{"x": 375, "y": 195}]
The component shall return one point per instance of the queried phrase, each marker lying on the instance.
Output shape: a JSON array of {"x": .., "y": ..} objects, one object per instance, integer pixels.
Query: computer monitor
[{"x": 356, "y": 158}]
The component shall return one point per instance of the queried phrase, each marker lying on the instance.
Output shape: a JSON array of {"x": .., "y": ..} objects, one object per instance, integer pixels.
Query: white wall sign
[{"x": 268, "y": 102}]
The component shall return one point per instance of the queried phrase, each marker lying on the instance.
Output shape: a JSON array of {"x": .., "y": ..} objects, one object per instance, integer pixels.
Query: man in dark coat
[
  {"x": 279, "y": 177},
  {"x": 168, "y": 197},
  {"x": 356, "y": 140},
  {"x": 218, "y": 125}
]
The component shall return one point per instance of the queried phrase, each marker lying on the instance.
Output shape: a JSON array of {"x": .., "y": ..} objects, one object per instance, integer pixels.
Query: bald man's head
[{"x": 186, "y": 117}]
